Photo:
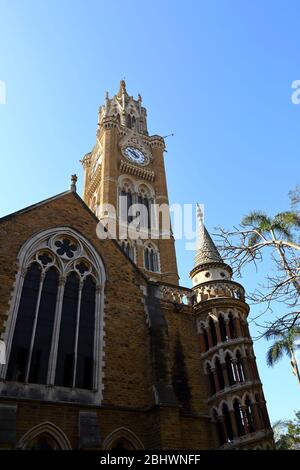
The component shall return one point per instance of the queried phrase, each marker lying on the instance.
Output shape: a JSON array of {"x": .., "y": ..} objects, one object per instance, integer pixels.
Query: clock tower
[{"x": 125, "y": 171}]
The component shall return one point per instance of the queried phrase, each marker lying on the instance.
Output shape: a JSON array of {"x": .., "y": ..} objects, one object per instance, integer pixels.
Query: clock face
[{"x": 135, "y": 155}]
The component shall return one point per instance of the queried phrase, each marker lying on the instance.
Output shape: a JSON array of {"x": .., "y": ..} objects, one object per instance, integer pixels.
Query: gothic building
[{"x": 104, "y": 348}]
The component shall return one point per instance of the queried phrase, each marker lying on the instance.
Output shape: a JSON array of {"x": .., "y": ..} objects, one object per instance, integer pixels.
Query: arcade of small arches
[
  {"x": 230, "y": 368},
  {"x": 221, "y": 328},
  {"x": 129, "y": 120},
  {"x": 150, "y": 254},
  {"x": 135, "y": 192},
  {"x": 138, "y": 193},
  {"x": 240, "y": 416}
]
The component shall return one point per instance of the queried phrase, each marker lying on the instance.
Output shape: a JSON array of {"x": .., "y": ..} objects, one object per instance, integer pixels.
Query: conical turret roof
[{"x": 206, "y": 250}]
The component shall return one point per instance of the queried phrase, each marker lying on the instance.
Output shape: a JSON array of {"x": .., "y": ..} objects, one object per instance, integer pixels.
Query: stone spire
[
  {"x": 206, "y": 250},
  {"x": 209, "y": 264}
]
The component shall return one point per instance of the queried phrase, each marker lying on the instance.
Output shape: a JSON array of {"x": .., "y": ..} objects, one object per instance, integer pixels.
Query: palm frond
[
  {"x": 288, "y": 218},
  {"x": 275, "y": 352},
  {"x": 257, "y": 219}
]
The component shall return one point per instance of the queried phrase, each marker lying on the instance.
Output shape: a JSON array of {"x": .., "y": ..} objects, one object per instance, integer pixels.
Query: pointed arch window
[
  {"x": 227, "y": 420},
  {"x": 222, "y": 327},
  {"x": 239, "y": 417},
  {"x": 145, "y": 214},
  {"x": 128, "y": 121},
  {"x": 232, "y": 326},
  {"x": 213, "y": 331},
  {"x": 249, "y": 414},
  {"x": 230, "y": 369},
  {"x": 220, "y": 374},
  {"x": 51, "y": 336},
  {"x": 128, "y": 248},
  {"x": 151, "y": 258}
]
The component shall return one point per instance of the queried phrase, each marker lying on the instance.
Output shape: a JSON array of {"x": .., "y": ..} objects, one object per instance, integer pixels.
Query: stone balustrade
[
  {"x": 176, "y": 294},
  {"x": 219, "y": 289}
]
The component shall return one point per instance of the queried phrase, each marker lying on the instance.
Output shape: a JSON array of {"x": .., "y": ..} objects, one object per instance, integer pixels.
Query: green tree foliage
[{"x": 287, "y": 434}]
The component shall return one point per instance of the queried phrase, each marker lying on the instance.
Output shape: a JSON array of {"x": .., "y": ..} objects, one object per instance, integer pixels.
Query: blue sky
[{"x": 217, "y": 74}]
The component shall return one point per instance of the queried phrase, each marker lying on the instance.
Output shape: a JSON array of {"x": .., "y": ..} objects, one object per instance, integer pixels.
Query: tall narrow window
[
  {"x": 220, "y": 373},
  {"x": 145, "y": 212},
  {"x": 239, "y": 417},
  {"x": 150, "y": 258},
  {"x": 43, "y": 334},
  {"x": 66, "y": 347},
  {"x": 222, "y": 328},
  {"x": 232, "y": 327},
  {"x": 229, "y": 368},
  {"x": 128, "y": 249},
  {"x": 84, "y": 372},
  {"x": 126, "y": 202},
  {"x": 239, "y": 367},
  {"x": 213, "y": 332},
  {"x": 23, "y": 330},
  {"x": 227, "y": 421}
]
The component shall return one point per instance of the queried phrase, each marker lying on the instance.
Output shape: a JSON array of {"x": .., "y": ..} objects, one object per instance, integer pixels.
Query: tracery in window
[
  {"x": 128, "y": 248},
  {"x": 52, "y": 334},
  {"x": 151, "y": 261}
]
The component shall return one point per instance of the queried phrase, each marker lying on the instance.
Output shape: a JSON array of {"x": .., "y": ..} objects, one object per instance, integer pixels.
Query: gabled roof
[{"x": 46, "y": 201}]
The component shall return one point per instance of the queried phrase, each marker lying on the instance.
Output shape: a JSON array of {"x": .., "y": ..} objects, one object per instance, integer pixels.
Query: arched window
[
  {"x": 232, "y": 327},
  {"x": 151, "y": 258},
  {"x": 144, "y": 200},
  {"x": 249, "y": 414},
  {"x": 213, "y": 332},
  {"x": 220, "y": 373},
  {"x": 50, "y": 336},
  {"x": 239, "y": 367},
  {"x": 133, "y": 122},
  {"x": 128, "y": 121},
  {"x": 222, "y": 328},
  {"x": 121, "y": 439},
  {"x": 212, "y": 385},
  {"x": 126, "y": 201},
  {"x": 206, "y": 343},
  {"x": 239, "y": 417},
  {"x": 44, "y": 436},
  {"x": 43, "y": 442},
  {"x": 227, "y": 421},
  {"x": 230, "y": 369},
  {"x": 128, "y": 249},
  {"x": 220, "y": 432}
]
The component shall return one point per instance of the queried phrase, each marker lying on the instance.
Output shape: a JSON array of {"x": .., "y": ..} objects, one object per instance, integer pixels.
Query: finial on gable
[{"x": 73, "y": 183}]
